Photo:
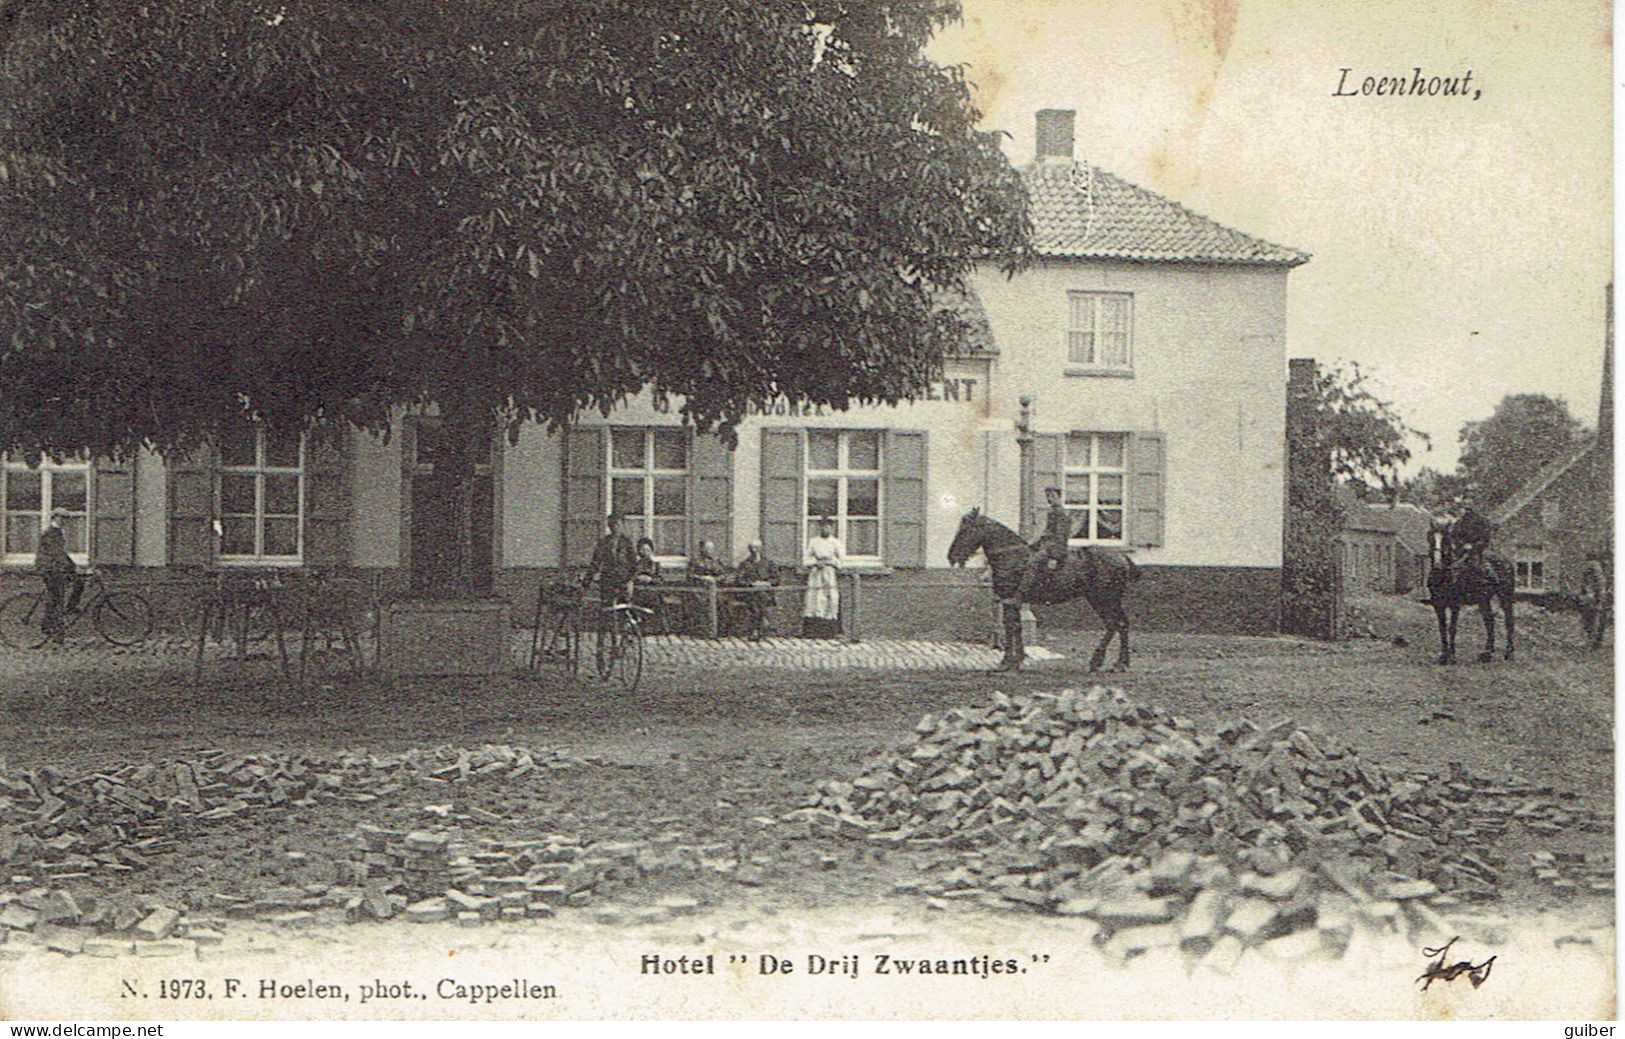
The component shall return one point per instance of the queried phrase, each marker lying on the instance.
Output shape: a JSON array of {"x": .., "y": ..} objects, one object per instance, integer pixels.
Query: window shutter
[
  {"x": 192, "y": 540},
  {"x": 584, "y": 508},
  {"x": 1049, "y": 463},
  {"x": 112, "y": 534},
  {"x": 1148, "y": 463},
  {"x": 327, "y": 499},
  {"x": 903, "y": 498},
  {"x": 781, "y": 495},
  {"x": 711, "y": 494}
]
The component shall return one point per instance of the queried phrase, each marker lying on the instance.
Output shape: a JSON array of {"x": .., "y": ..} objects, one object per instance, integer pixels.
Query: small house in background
[
  {"x": 1382, "y": 547},
  {"x": 1551, "y": 524}
]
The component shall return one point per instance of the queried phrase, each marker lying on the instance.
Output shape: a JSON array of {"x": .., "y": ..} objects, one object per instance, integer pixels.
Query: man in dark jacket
[
  {"x": 1052, "y": 544},
  {"x": 56, "y": 567},
  {"x": 614, "y": 562},
  {"x": 1472, "y": 535}
]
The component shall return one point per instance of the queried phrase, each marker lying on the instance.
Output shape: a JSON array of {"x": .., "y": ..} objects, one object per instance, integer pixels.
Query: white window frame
[
  {"x": 259, "y": 470},
  {"x": 1095, "y": 299},
  {"x": 1091, "y": 508},
  {"x": 46, "y": 469},
  {"x": 843, "y": 472},
  {"x": 647, "y": 473},
  {"x": 1524, "y": 560}
]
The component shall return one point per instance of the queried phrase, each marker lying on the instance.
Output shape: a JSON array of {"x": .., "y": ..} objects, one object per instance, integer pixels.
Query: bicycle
[
  {"x": 558, "y": 619},
  {"x": 122, "y": 618},
  {"x": 619, "y": 650}
]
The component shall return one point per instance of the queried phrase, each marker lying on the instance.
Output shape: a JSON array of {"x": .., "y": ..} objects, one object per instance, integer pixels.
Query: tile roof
[
  {"x": 1537, "y": 484},
  {"x": 1084, "y": 212}
]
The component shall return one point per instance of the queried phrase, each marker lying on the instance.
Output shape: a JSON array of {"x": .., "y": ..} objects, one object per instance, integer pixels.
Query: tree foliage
[
  {"x": 1439, "y": 493},
  {"x": 1526, "y": 432},
  {"x": 1365, "y": 436},
  {"x": 513, "y": 209}
]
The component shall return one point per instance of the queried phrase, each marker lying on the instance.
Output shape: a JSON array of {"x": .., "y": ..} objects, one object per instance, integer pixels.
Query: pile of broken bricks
[
  {"x": 1571, "y": 873},
  {"x": 58, "y": 921},
  {"x": 1086, "y": 803},
  {"x": 56, "y": 828},
  {"x": 62, "y": 835}
]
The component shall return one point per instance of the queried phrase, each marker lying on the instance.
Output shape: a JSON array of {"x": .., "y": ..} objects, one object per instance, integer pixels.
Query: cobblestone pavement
[
  {"x": 660, "y": 652},
  {"x": 826, "y": 655}
]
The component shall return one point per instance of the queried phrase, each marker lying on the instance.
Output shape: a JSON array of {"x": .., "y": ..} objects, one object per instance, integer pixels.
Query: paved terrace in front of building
[{"x": 661, "y": 652}]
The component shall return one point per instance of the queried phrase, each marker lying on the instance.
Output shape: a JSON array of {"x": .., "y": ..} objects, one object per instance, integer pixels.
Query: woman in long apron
[{"x": 821, "y": 611}]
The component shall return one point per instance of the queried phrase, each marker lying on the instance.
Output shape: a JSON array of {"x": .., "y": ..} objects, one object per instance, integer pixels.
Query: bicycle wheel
[
  {"x": 563, "y": 644},
  {"x": 123, "y": 618},
  {"x": 21, "y": 620},
  {"x": 607, "y": 646},
  {"x": 629, "y": 656}
]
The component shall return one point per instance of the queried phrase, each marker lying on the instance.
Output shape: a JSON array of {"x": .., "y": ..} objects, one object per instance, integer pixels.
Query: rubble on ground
[
  {"x": 64, "y": 828},
  {"x": 1086, "y": 803}
]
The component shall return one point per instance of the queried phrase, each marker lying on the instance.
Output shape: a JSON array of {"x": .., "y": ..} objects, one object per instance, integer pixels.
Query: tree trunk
[{"x": 464, "y": 439}]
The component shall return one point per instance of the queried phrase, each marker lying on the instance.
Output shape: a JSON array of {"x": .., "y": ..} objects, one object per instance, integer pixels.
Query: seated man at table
[
  {"x": 705, "y": 571},
  {"x": 704, "y": 566},
  {"x": 753, "y": 581}
]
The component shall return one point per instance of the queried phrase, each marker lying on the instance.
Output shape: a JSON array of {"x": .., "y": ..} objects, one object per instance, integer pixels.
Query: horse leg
[
  {"x": 1443, "y": 633},
  {"x": 1487, "y": 609},
  {"x": 1121, "y": 616},
  {"x": 1098, "y": 659},
  {"x": 1014, "y": 649},
  {"x": 1506, "y": 608},
  {"x": 1455, "y": 619}
]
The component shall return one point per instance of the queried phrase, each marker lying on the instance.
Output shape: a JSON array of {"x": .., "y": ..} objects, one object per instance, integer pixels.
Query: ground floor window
[
  {"x": 843, "y": 484},
  {"x": 262, "y": 496},
  {"x": 1096, "y": 484},
  {"x": 648, "y": 486},
  {"x": 1529, "y": 562},
  {"x": 32, "y": 494}
]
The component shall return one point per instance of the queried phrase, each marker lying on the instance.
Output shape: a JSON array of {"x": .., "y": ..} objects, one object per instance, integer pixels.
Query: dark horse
[
  {"x": 1456, "y": 580},
  {"x": 1097, "y": 575}
]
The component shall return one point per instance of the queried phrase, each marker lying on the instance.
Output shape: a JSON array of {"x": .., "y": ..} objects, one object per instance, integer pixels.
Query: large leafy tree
[
  {"x": 1364, "y": 435},
  {"x": 323, "y": 210},
  {"x": 1499, "y": 454}
]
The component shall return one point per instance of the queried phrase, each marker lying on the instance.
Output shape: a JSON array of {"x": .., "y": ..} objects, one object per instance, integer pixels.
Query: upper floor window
[
  {"x": 1096, "y": 486},
  {"x": 32, "y": 494},
  {"x": 843, "y": 483},
  {"x": 648, "y": 486},
  {"x": 262, "y": 496},
  {"x": 1100, "y": 330}
]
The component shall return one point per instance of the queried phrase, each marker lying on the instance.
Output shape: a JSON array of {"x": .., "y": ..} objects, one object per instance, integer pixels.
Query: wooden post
[
  {"x": 857, "y": 606},
  {"x": 711, "y": 606}
]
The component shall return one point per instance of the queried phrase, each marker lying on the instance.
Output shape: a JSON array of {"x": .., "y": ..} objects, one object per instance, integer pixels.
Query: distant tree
[
  {"x": 1501, "y": 453},
  {"x": 323, "y": 210},
  {"x": 1438, "y": 493},
  {"x": 1366, "y": 436}
]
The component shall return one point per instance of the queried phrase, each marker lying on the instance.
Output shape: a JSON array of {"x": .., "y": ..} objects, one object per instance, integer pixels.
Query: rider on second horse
[
  {"x": 1471, "y": 534},
  {"x": 1051, "y": 545}
]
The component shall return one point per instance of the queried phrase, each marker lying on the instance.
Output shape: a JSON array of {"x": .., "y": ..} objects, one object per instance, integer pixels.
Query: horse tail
[{"x": 1133, "y": 569}]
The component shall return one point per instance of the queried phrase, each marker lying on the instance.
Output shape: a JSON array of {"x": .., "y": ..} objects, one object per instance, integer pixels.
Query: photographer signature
[{"x": 1438, "y": 970}]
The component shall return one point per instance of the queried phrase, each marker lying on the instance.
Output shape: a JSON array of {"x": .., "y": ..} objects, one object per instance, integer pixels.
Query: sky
[{"x": 1460, "y": 247}]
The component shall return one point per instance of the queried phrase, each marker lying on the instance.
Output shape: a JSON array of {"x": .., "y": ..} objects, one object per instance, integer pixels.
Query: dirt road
[{"x": 708, "y": 760}]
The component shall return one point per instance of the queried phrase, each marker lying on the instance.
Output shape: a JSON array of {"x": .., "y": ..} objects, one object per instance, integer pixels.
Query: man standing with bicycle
[
  {"x": 56, "y": 567},
  {"x": 614, "y": 562}
]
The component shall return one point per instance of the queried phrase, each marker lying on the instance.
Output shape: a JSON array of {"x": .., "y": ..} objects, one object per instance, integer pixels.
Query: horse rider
[
  {"x": 1471, "y": 534},
  {"x": 1051, "y": 545}
]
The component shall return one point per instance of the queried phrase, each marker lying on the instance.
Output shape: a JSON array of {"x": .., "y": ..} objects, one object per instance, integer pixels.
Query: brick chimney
[{"x": 1055, "y": 134}]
